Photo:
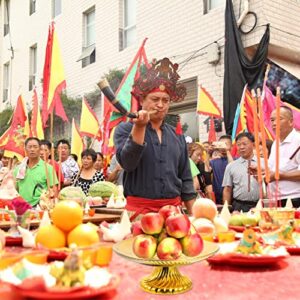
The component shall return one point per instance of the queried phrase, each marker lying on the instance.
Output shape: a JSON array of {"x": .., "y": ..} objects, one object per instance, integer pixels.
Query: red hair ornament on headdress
[{"x": 161, "y": 76}]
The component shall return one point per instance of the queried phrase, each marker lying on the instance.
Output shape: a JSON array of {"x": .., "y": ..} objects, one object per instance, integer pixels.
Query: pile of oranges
[{"x": 67, "y": 228}]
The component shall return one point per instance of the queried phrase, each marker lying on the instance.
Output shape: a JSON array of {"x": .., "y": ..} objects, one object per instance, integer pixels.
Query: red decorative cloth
[{"x": 144, "y": 205}]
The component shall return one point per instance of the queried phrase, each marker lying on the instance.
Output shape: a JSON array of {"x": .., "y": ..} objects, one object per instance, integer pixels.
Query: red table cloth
[{"x": 281, "y": 282}]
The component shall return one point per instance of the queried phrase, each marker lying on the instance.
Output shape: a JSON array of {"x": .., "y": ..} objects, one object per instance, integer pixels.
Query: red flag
[
  {"x": 18, "y": 132},
  {"x": 178, "y": 129},
  {"x": 212, "y": 137},
  {"x": 53, "y": 79}
]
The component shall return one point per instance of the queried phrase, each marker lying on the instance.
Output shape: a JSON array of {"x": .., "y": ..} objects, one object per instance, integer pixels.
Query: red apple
[
  {"x": 136, "y": 228},
  {"x": 168, "y": 210},
  {"x": 144, "y": 246},
  {"x": 169, "y": 248},
  {"x": 152, "y": 223},
  {"x": 178, "y": 226},
  {"x": 192, "y": 244},
  {"x": 162, "y": 235}
]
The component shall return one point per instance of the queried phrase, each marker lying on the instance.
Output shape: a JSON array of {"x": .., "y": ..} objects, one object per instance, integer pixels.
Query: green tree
[{"x": 5, "y": 119}]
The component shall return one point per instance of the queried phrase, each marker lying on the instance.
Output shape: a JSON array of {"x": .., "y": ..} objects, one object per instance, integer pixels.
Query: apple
[
  {"x": 152, "y": 223},
  {"x": 168, "y": 210},
  {"x": 203, "y": 225},
  {"x": 169, "y": 248},
  {"x": 204, "y": 208},
  {"x": 250, "y": 220},
  {"x": 192, "y": 244},
  {"x": 136, "y": 228},
  {"x": 144, "y": 246},
  {"x": 162, "y": 235},
  {"x": 236, "y": 220},
  {"x": 178, "y": 226}
]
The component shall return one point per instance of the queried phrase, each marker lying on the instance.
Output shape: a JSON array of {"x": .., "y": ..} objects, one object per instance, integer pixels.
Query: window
[
  {"x": 128, "y": 34},
  {"x": 187, "y": 109},
  {"x": 5, "y": 81},
  {"x": 6, "y": 17},
  {"x": 32, "y": 66},
  {"x": 88, "y": 55},
  {"x": 56, "y": 8},
  {"x": 32, "y": 7},
  {"x": 214, "y": 4}
]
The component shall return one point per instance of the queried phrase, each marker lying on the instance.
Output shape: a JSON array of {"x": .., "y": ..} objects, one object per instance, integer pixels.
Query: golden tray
[{"x": 165, "y": 278}]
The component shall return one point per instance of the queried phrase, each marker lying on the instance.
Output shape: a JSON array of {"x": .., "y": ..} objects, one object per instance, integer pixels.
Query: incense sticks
[
  {"x": 277, "y": 140},
  {"x": 256, "y": 141},
  {"x": 263, "y": 137}
]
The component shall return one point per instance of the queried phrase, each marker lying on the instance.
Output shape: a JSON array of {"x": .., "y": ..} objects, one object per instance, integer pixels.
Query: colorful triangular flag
[
  {"x": 89, "y": 124},
  {"x": 206, "y": 104},
  {"x": 53, "y": 78},
  {"x": 77, "y": 144}
]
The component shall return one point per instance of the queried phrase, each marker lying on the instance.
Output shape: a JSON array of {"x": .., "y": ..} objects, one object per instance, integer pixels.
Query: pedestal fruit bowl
[{"x": 165, "y": 278}]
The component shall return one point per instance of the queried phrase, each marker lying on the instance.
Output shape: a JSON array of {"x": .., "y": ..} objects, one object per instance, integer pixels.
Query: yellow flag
[
  {"x": 77, "y": 145},
  {"x": 89, "y": 124},
  {"x": 206, "y": 104}
]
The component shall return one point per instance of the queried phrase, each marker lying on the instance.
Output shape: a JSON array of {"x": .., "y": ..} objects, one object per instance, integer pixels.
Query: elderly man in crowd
[
  {"x": 289, "y": 158},
  {"x": 238, "y": 186}
]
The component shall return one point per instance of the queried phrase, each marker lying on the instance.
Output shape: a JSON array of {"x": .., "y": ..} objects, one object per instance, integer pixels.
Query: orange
[
  {"x": 50, "y": 237},
  {"x": 66, "y": 215},
  {"x": 83, "y": 235}
]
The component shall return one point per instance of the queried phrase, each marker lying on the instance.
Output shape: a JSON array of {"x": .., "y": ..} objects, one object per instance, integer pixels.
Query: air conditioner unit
[{"x": 213, "y": 53}]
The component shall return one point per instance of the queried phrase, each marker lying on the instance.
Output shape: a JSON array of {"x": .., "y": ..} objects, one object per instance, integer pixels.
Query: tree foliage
[{"x": 5, "y": 118}]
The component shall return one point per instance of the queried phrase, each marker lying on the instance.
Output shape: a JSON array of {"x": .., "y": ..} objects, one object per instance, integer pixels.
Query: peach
[
  {"x": 204, "y": 208},
  {"x": 203, "y": 225},
  {"x": 169, "y": 248}
]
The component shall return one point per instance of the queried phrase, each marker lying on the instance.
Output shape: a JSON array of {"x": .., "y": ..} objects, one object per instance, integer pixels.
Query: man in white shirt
[{"x": 289, "y": 158}]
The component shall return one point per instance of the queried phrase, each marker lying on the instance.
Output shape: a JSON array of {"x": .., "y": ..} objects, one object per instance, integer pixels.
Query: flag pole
[
  {"x": 59, "y": 170},
  {"x": 52, "y": 147},
  {"x": 46, "y": 171}
]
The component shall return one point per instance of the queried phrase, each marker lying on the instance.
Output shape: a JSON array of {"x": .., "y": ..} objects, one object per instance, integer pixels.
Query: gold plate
[{"x": 165, "y": 278}]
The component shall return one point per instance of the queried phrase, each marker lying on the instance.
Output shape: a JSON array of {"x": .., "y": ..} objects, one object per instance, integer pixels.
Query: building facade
[{"x": 98, "y": 35}]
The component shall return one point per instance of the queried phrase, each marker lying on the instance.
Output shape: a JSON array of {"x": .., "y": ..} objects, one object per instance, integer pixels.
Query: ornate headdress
[{"x": 161, "y": 76}]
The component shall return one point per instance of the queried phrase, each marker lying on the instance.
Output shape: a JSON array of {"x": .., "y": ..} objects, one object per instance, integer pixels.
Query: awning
[
  {"x": 86, "y": 52},
  {"x": 292, "y": 68}
]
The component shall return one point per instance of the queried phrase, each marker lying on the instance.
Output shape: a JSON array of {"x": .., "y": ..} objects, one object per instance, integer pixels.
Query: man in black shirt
[{"x": 154, "y": 157}]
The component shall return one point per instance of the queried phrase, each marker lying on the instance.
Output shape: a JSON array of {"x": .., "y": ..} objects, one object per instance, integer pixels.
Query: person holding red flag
[{"x": 154, "y": 158}]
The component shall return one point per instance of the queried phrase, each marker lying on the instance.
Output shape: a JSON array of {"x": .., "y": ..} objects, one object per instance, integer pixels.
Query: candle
[{"x": 256, "y": 137}]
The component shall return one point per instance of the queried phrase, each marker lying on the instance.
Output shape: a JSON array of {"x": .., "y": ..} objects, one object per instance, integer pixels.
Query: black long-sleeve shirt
[{"x": 154, "y": 170}]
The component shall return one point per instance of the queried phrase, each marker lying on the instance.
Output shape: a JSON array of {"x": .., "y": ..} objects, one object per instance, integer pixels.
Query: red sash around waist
[{"x": 144, "y": 205}]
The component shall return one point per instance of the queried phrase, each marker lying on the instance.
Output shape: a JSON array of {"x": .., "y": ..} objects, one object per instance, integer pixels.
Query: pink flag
[{"x": 269, "y": 106}]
